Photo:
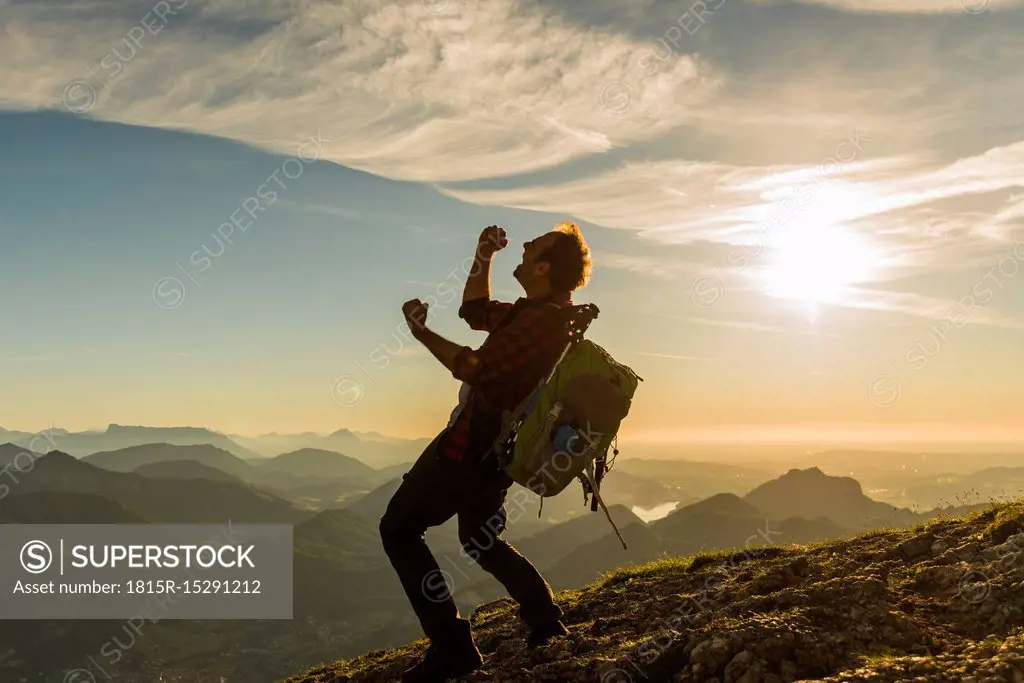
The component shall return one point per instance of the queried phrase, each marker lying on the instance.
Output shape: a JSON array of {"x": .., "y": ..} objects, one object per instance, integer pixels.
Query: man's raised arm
[
  {"x": 478, "y": 284},
  {"x": 477, "y": 307}
]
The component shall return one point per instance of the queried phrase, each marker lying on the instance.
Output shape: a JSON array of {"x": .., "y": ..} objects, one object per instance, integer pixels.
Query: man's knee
[
  {"x": 482, "y": 546},
  {"x": 482, "y": 533},
  {"x": 392, "y": 534}
]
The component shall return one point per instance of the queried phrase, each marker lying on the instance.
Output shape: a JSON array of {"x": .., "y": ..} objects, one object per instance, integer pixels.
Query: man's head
[{"x": 556, "y": 262}]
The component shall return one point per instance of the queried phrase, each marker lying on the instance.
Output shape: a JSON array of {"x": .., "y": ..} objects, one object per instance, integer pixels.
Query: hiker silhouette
[{"x": 452, "y": 477}]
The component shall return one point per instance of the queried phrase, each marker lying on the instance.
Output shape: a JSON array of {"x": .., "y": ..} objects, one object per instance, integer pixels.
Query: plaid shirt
[{"x": 524, "y": 341}]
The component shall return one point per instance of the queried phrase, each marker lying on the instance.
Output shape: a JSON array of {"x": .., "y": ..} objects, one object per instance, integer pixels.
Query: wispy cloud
[
  {"x": 739, "y": 324},
  {"x": 972, "y": 312},
  {"x": 334, "y": 211},
  {"x": 889, "y": 202},
  {"x": 409, "y": 93},
  {"x": 651, "y": 266},
  {"x": 702, "y": 143}
]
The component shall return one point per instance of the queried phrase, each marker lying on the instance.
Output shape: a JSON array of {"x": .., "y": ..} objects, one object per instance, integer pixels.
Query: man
[{"x": 453, "y": 476}]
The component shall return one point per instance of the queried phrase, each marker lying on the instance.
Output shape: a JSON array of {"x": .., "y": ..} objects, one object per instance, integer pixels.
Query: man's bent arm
[
  {"x": 442, "y": 349},
  {"x": 514, "y": 349}
]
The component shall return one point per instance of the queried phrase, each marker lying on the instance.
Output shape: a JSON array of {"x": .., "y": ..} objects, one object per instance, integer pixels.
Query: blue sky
[{"x": 806, "y": 216}]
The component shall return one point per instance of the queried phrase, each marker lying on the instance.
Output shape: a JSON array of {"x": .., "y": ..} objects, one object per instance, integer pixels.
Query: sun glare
[
  {"x": 814, "y": 256},
  {"x": 817, "y": 263}
]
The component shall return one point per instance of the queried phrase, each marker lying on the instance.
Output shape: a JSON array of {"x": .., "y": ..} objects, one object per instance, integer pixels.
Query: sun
[
  {"x": 816, "y": 263},
  {"x": 813, "y": 254}
]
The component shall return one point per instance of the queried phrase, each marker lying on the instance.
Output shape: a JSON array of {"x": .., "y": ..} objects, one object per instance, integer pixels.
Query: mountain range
[
  {"x": 346, "y": 597},
  {"x": 159, "y": 500},
  {"x": 372, "y": 448}
]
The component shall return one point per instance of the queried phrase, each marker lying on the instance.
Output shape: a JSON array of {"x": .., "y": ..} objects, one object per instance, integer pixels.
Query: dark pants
[{"x": 435, "y": 489}]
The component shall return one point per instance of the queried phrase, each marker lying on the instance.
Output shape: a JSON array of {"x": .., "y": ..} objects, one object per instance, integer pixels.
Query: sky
[{"x": 807, "y": 217}]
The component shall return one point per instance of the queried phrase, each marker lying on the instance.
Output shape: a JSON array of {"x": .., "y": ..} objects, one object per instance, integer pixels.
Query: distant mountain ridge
[
  {"x": 965, "y": 462},
  {"x": 117, "y": 437},
  {"x": 812, "y": 494},
  {"x": 372, "y": 448},
  {"x": 160, "y": 500},
  {"x": 318, "y": 462},
  {"x": 7, "y": 435},
  {"x": 549, "y": 546},
  {"x": 131, "y": 458},
  {"x": 308, "y": 478},
  {"x": 184, "y": 469}
]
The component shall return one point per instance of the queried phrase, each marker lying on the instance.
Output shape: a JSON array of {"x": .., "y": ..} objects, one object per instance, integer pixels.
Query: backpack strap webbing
[{"x": 589, "y": 473}]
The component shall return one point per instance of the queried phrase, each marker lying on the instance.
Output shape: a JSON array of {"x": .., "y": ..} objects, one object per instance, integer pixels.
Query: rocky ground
[{"x": 942, "y": 602}]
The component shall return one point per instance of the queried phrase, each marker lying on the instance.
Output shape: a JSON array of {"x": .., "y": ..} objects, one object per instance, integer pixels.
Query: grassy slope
[{"x": 941, "y": 602}]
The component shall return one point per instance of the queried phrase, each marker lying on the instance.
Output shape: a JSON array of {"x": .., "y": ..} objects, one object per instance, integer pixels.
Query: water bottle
[{"x": 567, "y": 440}]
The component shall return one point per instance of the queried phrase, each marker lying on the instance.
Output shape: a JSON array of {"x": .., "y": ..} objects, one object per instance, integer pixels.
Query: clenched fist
[
  {"x": 492, "y": 239},
  {"x": 415, "y": 312}
]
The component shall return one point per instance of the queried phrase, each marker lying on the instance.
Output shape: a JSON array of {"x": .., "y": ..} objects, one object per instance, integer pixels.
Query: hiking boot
[
  {"x": 440, "y": 664},
  {"x": 542, "y": 634}
]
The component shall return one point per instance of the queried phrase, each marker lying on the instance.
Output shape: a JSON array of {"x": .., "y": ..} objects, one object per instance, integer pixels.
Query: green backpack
[{"x": 562, "y": 431}]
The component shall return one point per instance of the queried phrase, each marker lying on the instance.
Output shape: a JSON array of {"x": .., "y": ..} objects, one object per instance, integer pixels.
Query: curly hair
[{"x": 569, "y": 257}]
